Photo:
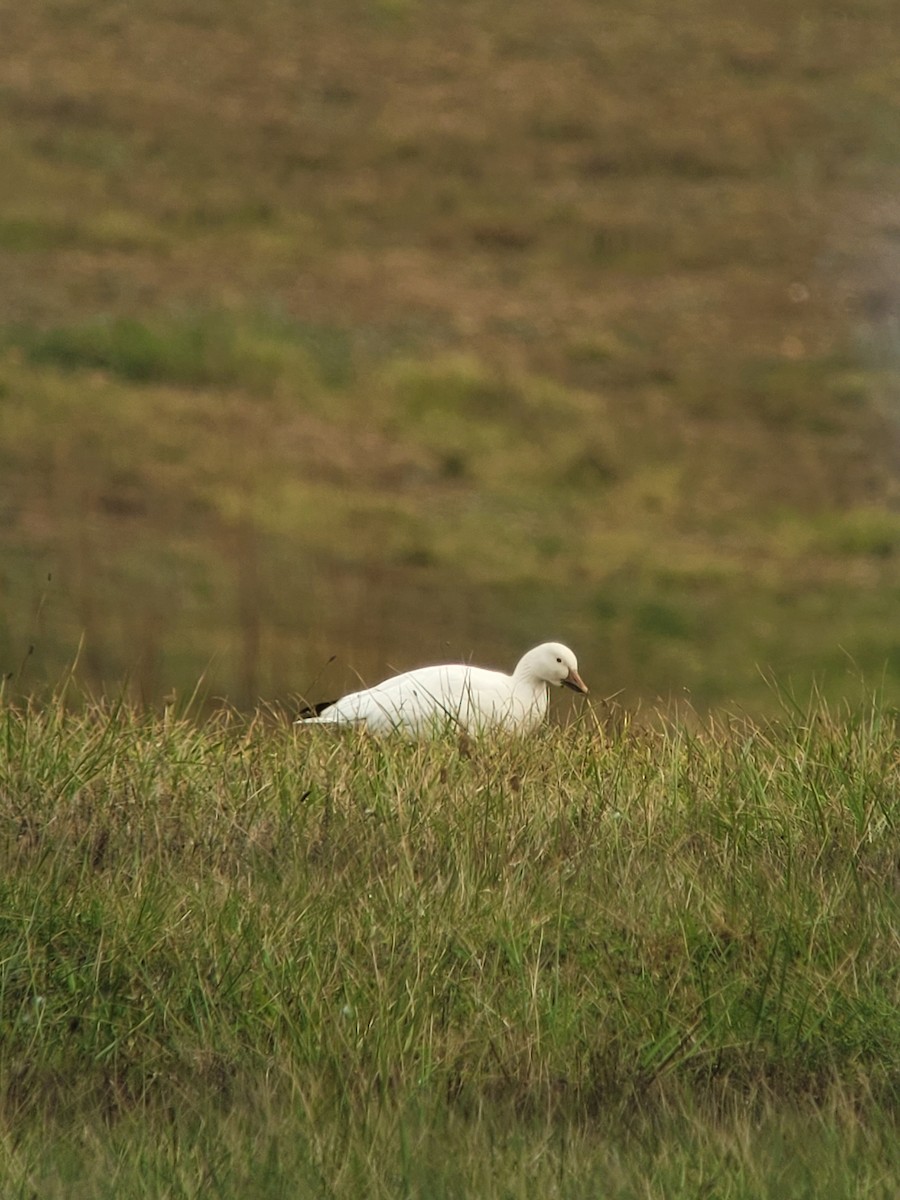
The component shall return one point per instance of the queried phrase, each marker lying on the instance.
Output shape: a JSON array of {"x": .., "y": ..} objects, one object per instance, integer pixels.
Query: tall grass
[{"x": 241, "y": 956}]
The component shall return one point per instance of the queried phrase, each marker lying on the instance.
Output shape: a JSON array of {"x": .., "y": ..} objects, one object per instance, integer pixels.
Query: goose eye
[{"x": 559, "y": 660}]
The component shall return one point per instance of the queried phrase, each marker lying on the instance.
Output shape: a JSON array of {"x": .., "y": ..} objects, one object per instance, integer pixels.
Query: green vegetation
[
  {"x": 246, "y": 958},
  {"x": 394, "y": 333}
]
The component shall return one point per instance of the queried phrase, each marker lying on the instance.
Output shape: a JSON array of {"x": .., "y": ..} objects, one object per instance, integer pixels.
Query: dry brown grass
[{"x": 467, "y": 328}]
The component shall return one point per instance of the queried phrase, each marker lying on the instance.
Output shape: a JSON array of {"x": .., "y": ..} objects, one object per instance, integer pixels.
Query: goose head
[{"x": 552, "y": 663}]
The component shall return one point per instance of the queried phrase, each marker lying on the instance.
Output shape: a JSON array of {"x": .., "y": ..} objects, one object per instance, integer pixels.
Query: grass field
[
  {"x": 349, "y": 336},
  {"x": 388, "y": 332},
  {"x": 624, "y": 960},
  {"x": 337, "y": 337}
]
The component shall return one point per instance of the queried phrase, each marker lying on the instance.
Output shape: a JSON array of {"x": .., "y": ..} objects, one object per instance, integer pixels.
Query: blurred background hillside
[{"x": 402, "y": 331}]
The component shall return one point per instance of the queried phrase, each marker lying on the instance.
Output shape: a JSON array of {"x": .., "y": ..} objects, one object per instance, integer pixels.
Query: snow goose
[{"x": 462, "y": 697}]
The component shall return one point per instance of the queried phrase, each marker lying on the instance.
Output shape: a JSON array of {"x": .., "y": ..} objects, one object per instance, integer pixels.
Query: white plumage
[{"x": 457, "y": 696}]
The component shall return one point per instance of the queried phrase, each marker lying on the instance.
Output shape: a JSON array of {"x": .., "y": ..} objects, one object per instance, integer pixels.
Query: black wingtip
[{"x": 313, "y": 710}]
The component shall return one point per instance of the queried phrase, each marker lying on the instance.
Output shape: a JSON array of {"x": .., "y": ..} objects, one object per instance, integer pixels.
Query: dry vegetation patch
[{"x": 519, "y": 312}]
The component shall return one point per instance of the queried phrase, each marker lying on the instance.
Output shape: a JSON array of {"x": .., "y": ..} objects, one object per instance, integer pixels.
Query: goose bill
[{"x": 574, "y": 681}]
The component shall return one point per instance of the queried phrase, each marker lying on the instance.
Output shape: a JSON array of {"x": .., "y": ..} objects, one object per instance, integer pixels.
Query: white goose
[{"x": 457, "y": 696}]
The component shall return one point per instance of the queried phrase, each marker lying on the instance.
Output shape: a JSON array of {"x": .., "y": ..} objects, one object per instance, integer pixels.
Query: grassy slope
[
  {"x": 649, "y": 961},
  {"x": 379, "y": 330}
]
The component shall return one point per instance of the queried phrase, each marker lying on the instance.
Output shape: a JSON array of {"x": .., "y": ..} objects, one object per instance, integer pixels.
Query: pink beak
[{"x": 574, "y": 681}]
